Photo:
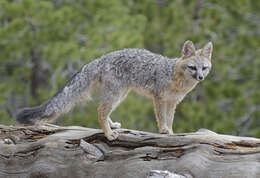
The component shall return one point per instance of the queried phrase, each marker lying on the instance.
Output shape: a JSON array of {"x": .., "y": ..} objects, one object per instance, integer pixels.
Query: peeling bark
[{"x": 48, "y": 151}]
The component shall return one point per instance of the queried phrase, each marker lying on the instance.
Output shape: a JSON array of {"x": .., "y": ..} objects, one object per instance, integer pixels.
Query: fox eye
[
  {"x": 192, "y": 67},
  {"x": 204, "y": 68}
]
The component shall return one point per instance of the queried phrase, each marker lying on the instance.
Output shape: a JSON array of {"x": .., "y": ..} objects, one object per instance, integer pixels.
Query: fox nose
[{"x": 200, "y": 78}]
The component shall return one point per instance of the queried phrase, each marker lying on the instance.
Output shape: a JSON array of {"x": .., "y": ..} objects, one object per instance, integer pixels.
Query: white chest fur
[{"x": 178, "y": 89}]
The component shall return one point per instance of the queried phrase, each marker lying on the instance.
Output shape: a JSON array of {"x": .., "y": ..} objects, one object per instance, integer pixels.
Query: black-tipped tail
[{"x": 29, "y": 116}]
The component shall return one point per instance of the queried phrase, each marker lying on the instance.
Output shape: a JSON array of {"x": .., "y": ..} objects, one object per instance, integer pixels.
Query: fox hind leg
[
  {"x": 112, "y": 94},
  {"x": 114, "y": 125},
  {"x": 104, "y": 110},
  {"x": 122, "y": 96}
]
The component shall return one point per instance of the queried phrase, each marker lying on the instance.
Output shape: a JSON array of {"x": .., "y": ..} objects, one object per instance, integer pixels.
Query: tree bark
[{"x": 53, "y": 151}]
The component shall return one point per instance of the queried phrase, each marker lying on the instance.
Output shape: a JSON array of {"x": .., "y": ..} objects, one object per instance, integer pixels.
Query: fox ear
[
  {"x": 207, "y": 50},
  {"x": 188, "y": 49}
]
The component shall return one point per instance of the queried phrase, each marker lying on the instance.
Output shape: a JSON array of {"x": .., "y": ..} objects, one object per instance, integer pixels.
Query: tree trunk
[
  {"x": 52, "y": 151},
  {"x": 35, "y": 74}
]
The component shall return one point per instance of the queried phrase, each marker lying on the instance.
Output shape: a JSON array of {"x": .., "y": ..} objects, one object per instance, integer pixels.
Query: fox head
[{"x": 196, "y": 64}]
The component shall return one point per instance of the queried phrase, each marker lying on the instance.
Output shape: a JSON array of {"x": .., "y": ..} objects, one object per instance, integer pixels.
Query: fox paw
[
  {"x": 115, "y": 125},
  {"x": 112, "y": 136},
  {"x": 166, "y": 131}
]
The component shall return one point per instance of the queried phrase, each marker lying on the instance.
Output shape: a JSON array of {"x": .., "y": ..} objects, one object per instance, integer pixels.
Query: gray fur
[
  {"x": 118, "y": 72},
  {"x": 75, "y": 90},
  {"x": 137, "y": 68}
]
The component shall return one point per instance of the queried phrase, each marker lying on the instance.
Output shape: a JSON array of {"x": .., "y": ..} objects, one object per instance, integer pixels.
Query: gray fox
[{"x": 165, "y": 80}]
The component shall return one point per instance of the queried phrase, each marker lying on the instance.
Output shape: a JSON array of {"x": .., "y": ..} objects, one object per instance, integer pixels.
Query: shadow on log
[{"x": 52, "y": 152}]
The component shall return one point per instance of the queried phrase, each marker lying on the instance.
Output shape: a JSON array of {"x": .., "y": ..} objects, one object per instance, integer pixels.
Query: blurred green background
[{"x": 44, "y": 42}]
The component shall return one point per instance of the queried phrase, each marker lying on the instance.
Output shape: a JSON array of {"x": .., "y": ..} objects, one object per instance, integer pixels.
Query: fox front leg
[
  {"x": 171, "y": 106},
  {"x": 160, "y": 108}
]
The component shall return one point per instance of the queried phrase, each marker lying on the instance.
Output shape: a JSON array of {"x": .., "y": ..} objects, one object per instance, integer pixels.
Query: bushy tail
[
  {"x": 29, "y": 116},
  {"x": 76, "y": 89}
]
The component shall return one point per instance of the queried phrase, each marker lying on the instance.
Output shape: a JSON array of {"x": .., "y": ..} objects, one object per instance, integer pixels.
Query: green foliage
[{"x": 43, "y": 42}]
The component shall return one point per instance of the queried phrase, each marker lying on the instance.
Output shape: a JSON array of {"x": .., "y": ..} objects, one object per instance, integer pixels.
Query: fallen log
[{"x": 53, "y": 151}]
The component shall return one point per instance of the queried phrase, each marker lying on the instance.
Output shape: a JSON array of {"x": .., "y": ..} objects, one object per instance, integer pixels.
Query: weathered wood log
[{"x": 82, "y": 152}]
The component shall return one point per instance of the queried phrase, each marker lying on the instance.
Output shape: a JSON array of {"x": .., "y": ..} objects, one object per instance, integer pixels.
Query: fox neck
[{"x": 180, "y": 84}]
